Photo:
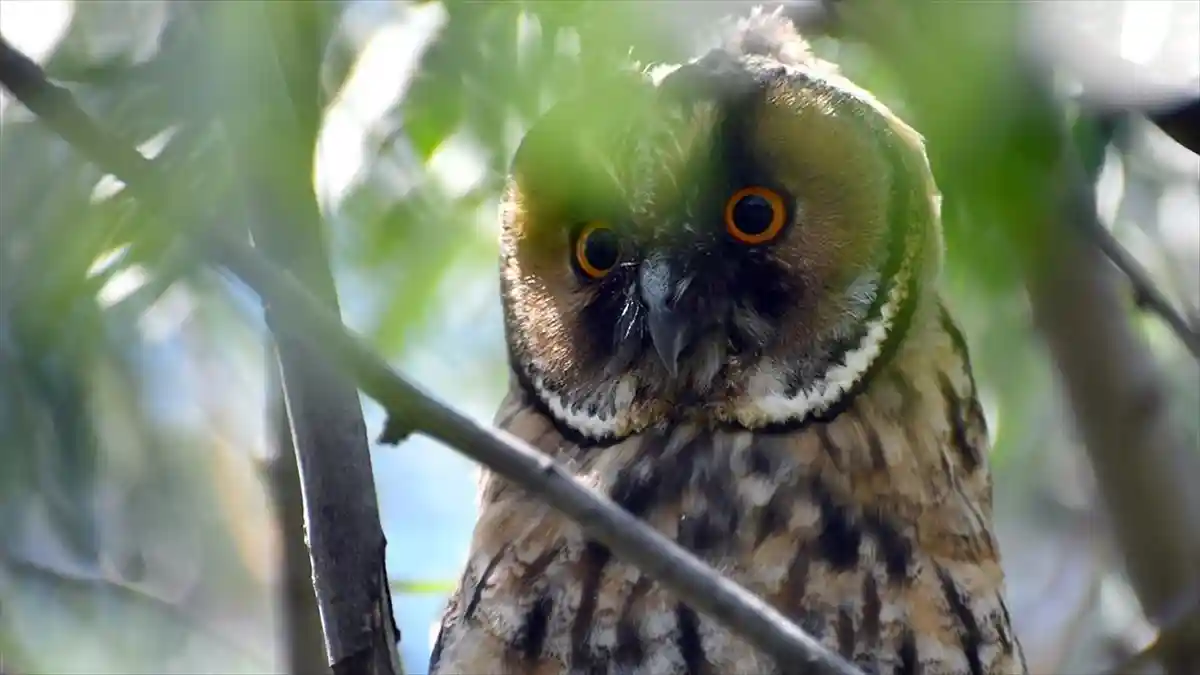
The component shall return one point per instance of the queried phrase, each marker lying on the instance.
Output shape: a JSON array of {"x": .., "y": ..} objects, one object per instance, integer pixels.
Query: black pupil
[
  {"x": 601, "y": 248},
  {"x": 753, "y": 214}
]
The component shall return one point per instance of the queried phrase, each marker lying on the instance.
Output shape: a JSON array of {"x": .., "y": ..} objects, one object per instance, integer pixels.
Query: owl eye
[
  {"x": 755, "y": 215},
  {"x": 597, "y": 250}
]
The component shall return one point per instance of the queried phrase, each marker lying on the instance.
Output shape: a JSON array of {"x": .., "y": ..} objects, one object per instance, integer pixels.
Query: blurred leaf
[{"x": 77, "y": 608}]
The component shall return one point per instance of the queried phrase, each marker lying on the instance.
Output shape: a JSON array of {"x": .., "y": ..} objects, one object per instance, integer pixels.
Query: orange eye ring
[
  {"x": 597, "y": 250},
  {"x": 747, "y": 224}
]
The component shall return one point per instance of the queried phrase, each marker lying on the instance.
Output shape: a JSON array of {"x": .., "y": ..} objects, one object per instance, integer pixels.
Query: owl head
[{"x": 739, "y": 240}]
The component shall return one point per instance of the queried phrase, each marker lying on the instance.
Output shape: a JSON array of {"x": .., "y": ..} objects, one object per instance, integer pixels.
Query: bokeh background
[{"x": 138, "y": 528}]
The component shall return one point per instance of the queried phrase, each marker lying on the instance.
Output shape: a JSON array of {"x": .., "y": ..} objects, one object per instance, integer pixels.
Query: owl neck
[
  {"x": 777, "y": 398},
  {"x": 772, "y": 398},
  {"x": 913, "y": 432},
  {"x": 911, "y": 440}
]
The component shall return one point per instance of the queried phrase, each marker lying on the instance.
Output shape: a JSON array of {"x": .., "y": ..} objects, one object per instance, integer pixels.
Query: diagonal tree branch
[
  {"x": 1094, "y": 133},
  {"x": 1146, "y": 293},
  {"x": 408, "y": 406}
]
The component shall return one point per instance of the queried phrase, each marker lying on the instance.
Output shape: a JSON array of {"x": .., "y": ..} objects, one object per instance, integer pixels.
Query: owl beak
[{"x": 669, "y": 328}]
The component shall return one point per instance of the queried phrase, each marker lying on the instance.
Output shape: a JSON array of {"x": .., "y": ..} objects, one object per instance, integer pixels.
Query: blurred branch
[
  {"x": 1006, "y": 130},
  {"x": 1181, "y": 123},
  {"x": 412, "y": 409},
  {"x": 345, "y": 537},
  {"x": 1101, "y": 71},
  {"x": 19, "y": 566},
  {"x": 1146, "y": 293},
  {"x": 1181, "y": 629},
  {"x": 1094, "y": 133},
  {"x": 1118, "y": 395}
]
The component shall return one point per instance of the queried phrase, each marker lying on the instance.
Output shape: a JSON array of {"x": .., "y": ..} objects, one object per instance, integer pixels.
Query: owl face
[{"x": 733, "y": 240}]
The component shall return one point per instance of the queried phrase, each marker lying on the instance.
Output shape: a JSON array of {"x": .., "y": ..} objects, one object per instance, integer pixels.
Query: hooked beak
[{"x": 670, "y": 329}]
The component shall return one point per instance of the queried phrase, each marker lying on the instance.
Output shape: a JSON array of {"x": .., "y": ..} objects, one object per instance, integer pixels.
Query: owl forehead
[
  {"x": 667, "y": 154},
  {"x": 659, "y": 155}
]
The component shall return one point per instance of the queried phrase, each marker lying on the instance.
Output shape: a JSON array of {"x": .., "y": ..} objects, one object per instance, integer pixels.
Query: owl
[{"x": 718, "y": 282}]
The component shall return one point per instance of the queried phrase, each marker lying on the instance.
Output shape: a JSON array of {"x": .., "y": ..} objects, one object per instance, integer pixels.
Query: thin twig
[
  {"x": 630, "y": 538},
  {"x": 1146, "y": 293},
  {"x": 165, "y": 607}
]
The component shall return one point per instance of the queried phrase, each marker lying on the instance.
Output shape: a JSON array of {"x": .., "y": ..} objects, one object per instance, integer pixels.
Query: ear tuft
[{"x": 771, "y": 34}]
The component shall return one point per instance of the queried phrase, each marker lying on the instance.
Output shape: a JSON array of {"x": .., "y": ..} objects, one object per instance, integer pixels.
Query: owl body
[{"x": 721, "y": 314}]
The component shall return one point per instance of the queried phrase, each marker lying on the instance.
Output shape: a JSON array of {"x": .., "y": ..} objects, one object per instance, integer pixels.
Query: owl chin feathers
[{"x": 716, "y": 384}]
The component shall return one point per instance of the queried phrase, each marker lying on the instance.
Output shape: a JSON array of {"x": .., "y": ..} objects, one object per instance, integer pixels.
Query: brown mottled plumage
[{"x": 799, "y": 411}]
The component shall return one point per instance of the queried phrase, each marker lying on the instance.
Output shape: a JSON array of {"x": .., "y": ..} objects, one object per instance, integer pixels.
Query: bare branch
[
  {"x": 1146, "y": 293},
  {"x": 1118, "y": 396},
  {"x": 630, "y": 538}
]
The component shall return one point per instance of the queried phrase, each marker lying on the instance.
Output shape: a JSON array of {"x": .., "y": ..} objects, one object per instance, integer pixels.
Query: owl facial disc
[{"x": 740, "y": 241}]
